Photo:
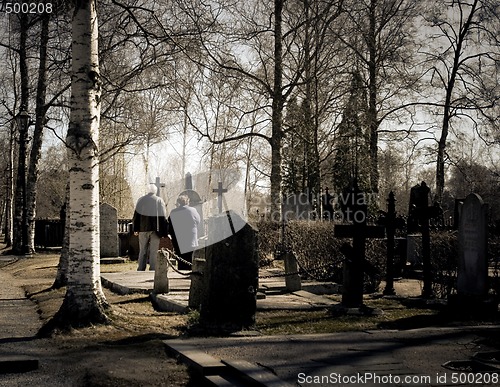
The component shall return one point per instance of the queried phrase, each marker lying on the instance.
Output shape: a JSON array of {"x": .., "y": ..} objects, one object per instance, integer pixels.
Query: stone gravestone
[
  {"x": 297, "y": 207},
  {"x": 231, "y": 274},
  {"x": 472, "y": 279},
  {"x": 161, "y": 273},
  {"x": 108, "y": 223}
]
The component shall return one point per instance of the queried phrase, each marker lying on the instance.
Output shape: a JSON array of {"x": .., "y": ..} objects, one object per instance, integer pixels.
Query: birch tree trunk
[{"x": 84, "y": 302}]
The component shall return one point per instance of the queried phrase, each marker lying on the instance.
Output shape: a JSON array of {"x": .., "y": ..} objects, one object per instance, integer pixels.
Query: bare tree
[
  {"x": 263, "y": 68},
  {"x": 33, "y": 33},
  {"x": 84, "y": 302},
  {"x": 20, "y": 225},
  {"x": 464, "y": 66},
  {"x": 37, "y": 139},
  {"x": 380, "y": 33},
  {"x": 313, "y": 103}
]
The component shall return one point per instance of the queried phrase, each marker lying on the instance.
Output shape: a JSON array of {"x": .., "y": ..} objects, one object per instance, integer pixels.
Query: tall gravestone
[
  {"x": 108, "y": 223},
  {"x": 472, "y": 279},
  {"x": 231, "y": 274}
]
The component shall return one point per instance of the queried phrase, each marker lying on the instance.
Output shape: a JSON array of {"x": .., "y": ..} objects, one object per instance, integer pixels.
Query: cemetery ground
[{"x": 130, "y": 351}]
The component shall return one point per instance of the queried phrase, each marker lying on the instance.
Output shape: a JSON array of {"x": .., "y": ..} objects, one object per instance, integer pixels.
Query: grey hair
[
  {"x": 183, "y": 200},
  {"x": 151, "y": 189}
]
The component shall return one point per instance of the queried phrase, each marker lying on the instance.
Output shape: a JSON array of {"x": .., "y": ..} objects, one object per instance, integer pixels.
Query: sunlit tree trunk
[{"x": 84, "y": 302}]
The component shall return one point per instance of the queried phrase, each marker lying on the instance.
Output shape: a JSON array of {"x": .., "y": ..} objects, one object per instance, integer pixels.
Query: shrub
[
  {"x": 317, "y": 250},
  {"x": 318, "y": 254},
  {"x": 269, "y": 238},
  {"x": 444, "y": 261}
]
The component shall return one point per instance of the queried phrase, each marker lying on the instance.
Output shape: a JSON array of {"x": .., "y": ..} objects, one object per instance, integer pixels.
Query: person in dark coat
[
  {"x": 149, "y": 218},
  {"x": 183, "y": 229}
]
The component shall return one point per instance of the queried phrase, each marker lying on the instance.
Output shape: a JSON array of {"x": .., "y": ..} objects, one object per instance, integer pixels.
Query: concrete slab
[
  {"x": 171, "y": 302},
  {"x": 195, "y": 358},
  {"x": 223, "y": 381},
  {"x": 176, "y": 300},
  {"x": 222, "y": 372},
  {"x": 254, "y": 374},
  {"x": 141, "y": 282}
]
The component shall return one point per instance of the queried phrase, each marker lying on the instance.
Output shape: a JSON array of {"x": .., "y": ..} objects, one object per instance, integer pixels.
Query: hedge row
[{"x": 318, "y": 253}]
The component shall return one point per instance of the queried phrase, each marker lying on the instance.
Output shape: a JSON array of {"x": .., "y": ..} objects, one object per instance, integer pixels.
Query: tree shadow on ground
[
  {"x": 446, "y": 316},
  {"x": 414, "y": 322},
  {"x": 140, "y": 339}
]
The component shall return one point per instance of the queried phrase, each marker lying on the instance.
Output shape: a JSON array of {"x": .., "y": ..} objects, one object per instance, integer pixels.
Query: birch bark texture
[{"x": 84, "y": 300}]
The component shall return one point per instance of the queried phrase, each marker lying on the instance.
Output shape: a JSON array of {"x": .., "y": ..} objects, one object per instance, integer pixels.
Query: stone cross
[
  {"x": 219, "y": 190},
  {"x": 158, "y": 185},
  {"x": 355, "y": 264}
]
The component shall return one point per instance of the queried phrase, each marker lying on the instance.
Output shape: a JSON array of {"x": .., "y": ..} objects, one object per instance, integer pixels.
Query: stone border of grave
[{"x": 222, "y": 372}]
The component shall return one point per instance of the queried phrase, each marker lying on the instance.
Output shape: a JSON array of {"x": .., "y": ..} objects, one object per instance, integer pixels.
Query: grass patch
[{"x": 394, "y": 315}]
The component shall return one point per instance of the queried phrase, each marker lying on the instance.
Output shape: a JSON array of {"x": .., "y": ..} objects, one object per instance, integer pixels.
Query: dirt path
[{"x": 128, "y": 352}]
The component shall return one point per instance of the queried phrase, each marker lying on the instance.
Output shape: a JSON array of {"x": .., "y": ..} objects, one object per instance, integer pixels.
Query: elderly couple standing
[{"x": 150, "y": 224}]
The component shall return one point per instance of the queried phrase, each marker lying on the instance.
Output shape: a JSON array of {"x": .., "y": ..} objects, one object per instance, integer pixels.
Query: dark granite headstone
[
  {"x": 472, "y": 279},
  {"x": 231, "y": 274}
]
